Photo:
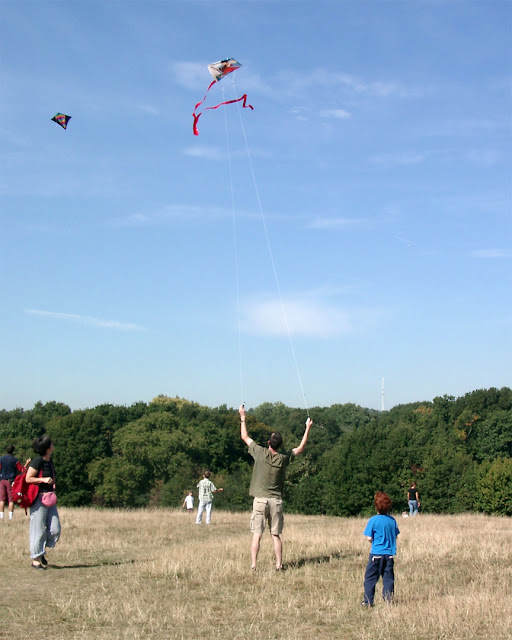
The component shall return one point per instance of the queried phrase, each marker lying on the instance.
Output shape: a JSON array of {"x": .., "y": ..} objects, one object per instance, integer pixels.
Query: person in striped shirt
[{"x": 206, "y": 491}]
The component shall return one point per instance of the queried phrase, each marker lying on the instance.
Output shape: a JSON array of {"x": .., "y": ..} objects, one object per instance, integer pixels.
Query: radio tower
[{"x": 382, "y": 396}]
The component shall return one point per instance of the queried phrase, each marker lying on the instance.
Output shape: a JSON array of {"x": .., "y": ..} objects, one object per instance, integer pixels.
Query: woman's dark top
[
  {"x": 48, "y": 470},
  {"x": 412, "y": 493}
]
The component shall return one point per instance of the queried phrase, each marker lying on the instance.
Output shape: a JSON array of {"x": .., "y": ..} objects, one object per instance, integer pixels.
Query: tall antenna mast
[{"x": 382, "y": 396}]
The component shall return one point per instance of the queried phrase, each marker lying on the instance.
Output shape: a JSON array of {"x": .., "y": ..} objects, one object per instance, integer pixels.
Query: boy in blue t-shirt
[{"x": 381, "y": 531}]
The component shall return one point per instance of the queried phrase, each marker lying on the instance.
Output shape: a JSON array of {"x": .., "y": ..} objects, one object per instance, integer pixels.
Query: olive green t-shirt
[{"x": 268, "y": 472}]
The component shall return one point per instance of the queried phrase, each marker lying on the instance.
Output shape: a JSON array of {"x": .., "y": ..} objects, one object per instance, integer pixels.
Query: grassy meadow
[{"x": 155, "y": 574}]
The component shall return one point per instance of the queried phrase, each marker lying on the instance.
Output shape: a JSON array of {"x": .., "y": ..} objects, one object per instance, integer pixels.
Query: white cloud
[
  {"x": 357, "y": 85},
  {"x": 203, "y": 151},
  {"x": 339, "y": 114},
  {"x": 492, "y": 253},
  {"x": 304, "y": 317},
  {"x": 487, "y": 158},
  {"x": 406, "y": 241},
  {"x": 87, "y": 320},
  {"x": 148, "y": 109},
  {"x": 336, "y": 223},
  {"x": 286, "y": 83},
  {"x": 132, "y": 220},
  {"x": 159, "y": 216},
  {"x": 300, "y": 113},
  {"x": 176, "y": 213},
  {"x": 191, "y": 74},
  {"x": 399, "y": 158}
]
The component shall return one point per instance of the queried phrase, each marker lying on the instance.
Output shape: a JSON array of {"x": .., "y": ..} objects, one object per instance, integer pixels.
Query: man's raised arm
[
  {"x": 243, "y": 428},
  {"x": 298, "y": 450}
]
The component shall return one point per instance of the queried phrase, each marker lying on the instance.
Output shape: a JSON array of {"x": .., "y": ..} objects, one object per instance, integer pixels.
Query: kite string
[
  {"x": 237, "y": 269},
  {"x": 272, "y": 261}
]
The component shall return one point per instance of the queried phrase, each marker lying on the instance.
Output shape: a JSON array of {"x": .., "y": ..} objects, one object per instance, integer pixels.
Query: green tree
[
  {"x": 119, "y": 482},
  {"x": 494, "y": 485},
  {"x": 449, "y": 481},
  {"x": 79, "y": 439},
  {"x": 492, "y": 437}
]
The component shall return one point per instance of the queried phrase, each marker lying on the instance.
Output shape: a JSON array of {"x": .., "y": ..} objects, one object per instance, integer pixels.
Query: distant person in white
[{"x": 189, "y": 502}]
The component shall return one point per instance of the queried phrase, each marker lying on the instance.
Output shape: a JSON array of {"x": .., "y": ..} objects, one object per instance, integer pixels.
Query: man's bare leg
[
  {"x": 278, "y": 551},
  {"x": 255, "y": 548}
]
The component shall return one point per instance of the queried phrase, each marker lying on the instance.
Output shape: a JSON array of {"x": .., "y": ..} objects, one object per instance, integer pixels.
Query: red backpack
[{"x": 23, "y": 493}]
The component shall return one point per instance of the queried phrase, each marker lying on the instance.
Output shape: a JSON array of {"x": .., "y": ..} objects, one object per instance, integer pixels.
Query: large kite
[
  {"x": 218, "y": 71},
  {"x": 61, "y": 119}
]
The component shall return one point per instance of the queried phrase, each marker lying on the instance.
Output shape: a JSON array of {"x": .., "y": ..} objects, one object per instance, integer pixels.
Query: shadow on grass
[
  {"x": 302, "y": 562},
  {"x": 106, "y": 563}
]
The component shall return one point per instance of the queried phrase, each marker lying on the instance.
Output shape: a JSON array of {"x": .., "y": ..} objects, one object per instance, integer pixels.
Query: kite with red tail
[{"x": 218, "y": 71}]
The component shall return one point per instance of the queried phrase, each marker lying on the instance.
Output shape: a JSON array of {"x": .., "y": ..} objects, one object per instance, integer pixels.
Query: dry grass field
[{"x": 155, "y": 574}]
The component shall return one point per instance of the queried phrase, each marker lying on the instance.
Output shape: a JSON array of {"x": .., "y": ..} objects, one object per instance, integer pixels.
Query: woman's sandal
[{"x": 37, "y": 565}]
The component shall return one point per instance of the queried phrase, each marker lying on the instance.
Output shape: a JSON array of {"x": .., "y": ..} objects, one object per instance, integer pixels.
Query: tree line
[{"x": 458, "y": 450}]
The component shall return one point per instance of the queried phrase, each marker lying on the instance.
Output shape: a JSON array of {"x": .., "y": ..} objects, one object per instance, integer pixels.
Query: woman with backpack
[{"x": 44, "y": 529}]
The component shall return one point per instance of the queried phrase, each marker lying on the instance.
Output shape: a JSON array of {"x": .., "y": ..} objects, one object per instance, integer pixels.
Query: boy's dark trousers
[{"x": 377, "y": 566}]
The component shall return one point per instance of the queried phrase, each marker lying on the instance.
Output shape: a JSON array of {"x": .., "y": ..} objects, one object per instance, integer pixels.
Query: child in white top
[{"x": 189, "y": 502}]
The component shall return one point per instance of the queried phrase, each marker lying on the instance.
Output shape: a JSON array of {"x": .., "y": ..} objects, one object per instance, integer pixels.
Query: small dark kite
[{"x": 61, "y": 119}]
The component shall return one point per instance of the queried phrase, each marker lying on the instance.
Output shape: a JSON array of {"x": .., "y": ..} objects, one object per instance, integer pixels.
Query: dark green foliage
[
  {"x": 79, "y": 438},
  {"x": 182, "y": 477},
  {"x": 119, "y": 482},
  {"x": 458, "y": 450},
  {"x": 495, "y": 487}
]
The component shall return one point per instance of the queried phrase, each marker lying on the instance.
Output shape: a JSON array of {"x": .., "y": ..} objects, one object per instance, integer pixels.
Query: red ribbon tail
[
  {"x": 196, "y": 118},
  {"x": 244, "y": 103},
  {"x": 242, "y": 99}
]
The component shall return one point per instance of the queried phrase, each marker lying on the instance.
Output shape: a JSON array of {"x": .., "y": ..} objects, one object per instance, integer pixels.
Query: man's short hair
[
  {"x": 275, "y": 440},
  {"x": 207, "y": 474},
  {"x": 10, "y": 449}
]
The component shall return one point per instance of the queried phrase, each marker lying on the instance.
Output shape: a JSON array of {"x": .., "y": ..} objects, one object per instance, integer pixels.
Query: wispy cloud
[
  {"x": 190, "y": 74},
  {"x": 303, "y": 113},
  {"x": 399, "y": 158},
  {"x": 194, "y": 75},
  {"x": 336, "y": 223},
  {"x": 14, "y": 138},
  {"x": 159, "y": 216},
  {"x": 464, "y": 127},
  {"x": 377, "y": 88},
  {"x": 303, "y": 317},
  {"x": 484, "y": 158},
  {"x": 148, "y": 109},
  {"x": 203, "y": 151},
  {"x": 492, "y": 253},
  {"x": 289, "y": 82},
  {"x": 338, "y": 114},
  {"x": 87, "y": 320},
  {"x": 406, "y": 241},
  {"x": 177, "y": 213},
  {"x": 491, "y": 203}
]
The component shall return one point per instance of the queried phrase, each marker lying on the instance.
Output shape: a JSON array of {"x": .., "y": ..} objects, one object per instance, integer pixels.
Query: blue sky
[{"x": 368, "y": 195}]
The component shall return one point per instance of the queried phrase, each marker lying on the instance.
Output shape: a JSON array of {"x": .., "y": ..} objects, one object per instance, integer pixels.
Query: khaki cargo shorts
[{"x": 267, "y": 509}]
